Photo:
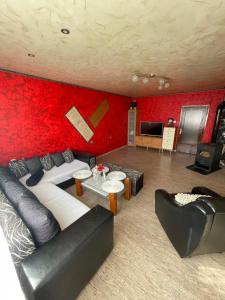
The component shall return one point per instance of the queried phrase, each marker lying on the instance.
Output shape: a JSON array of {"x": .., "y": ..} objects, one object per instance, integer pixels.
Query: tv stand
[{"x": 148, "y": 141}]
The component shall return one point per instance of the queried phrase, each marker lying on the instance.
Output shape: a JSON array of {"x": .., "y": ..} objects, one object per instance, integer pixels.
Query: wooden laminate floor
[{"x": 143, "y": 263}]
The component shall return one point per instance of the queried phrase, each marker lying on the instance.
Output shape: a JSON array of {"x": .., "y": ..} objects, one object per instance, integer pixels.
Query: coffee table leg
[
  {"x": 79, "y": 189},
  {"x": 127, "y": 193},
  {"x": 113, "y": 203}
]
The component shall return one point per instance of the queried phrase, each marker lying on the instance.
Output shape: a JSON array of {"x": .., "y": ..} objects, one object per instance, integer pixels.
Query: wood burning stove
[{"x": 207, "y": 158}]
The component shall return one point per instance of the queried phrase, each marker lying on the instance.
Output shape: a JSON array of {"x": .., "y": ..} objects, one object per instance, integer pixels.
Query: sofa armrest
[
  {"x": 63, "y": 266},
  {"x": 162, "y": 195},
  {"x": 202, "y": 190},
  {"x": 186, "y": 225},
  {"x": 86, "y": 157}
]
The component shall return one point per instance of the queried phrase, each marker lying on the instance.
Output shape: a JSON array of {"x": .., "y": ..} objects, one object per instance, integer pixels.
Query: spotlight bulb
[
  {"x": 167, "y": 85},
  {"x": 161, "y": 81},
  {"x": 135, "y": 78}
]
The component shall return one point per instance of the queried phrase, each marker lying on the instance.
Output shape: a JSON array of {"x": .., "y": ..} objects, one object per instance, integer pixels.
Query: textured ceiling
[{"x": 111, "y": 39}]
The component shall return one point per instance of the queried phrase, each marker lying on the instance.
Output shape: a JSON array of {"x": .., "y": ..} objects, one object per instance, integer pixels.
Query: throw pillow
[
  {"x": 17, "y": 234},
  {"x": 18, "y": 167},
  {"x": 183, "y": 199},
  {"x": 68, "y": 156},
  {"x": 58, "y": 158},
  {"x": 33, "y": 165},
  {"x": 35, "y": 178},
  {"x": 40, "y": 221},
  {"x": 47, "y": 162}
]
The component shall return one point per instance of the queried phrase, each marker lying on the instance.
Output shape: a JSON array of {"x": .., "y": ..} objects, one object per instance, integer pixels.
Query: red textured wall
[
  {"x": 160, "y": 108},
  {"x": 32, "y": 120}
]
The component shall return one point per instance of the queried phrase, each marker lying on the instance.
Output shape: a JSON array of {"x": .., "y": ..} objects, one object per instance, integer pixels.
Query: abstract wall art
[{"x": 79, "y": 123}]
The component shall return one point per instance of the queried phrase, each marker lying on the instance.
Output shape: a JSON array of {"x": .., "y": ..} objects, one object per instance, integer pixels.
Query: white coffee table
[{"x": 108, "y": 189}]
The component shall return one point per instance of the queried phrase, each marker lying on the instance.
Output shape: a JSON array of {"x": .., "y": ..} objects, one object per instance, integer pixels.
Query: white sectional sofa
[
  {"x": 66, "y": 208},
  {"x": 61, "y": 267}
]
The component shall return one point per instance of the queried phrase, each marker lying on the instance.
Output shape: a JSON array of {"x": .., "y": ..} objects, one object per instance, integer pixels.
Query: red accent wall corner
[{"x": 160, "y": 108}]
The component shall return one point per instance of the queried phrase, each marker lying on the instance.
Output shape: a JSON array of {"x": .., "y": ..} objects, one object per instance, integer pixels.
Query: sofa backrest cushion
[
  {"x": 68, "y": 156},
  {"x": 35, "y": 178},
  {"x": 58, "y": 159},
  {"x": 47, "y": 162},
  {"x": 18, "y": 168},
  {"x": 17, "y": 234},
  {"x": 33, "y": 164},
  {"x": 40, "y": 221}
]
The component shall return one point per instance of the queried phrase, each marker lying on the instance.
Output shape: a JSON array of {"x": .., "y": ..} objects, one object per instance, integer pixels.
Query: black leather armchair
[
  {"x": 195, "y": 228},
  {"x": 63, "y": 266}
]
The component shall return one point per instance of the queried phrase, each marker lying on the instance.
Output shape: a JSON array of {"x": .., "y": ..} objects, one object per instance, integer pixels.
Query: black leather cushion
[
  {"x": 18, "y": 167},
  {"x": 17, "y": 234},
  {"x": 47, "y": 162},
  {"x": 40, "y": 221},
  {"x": 33, "y": 165},
  {"x": 35, "y": 178},
  {"x": 58, "y": 158},
  {"x": 68, "y": 156}
]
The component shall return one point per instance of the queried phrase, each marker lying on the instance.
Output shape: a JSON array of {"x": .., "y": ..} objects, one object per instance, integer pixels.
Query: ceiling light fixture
[
  {"x": 65, "y": 31},
  {"x": 163, "y": 82}
]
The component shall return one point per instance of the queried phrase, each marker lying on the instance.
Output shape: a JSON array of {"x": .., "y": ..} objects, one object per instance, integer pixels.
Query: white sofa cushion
[
  {"x": 66, "y": 208},
  {"x": 60, "y": 174}
]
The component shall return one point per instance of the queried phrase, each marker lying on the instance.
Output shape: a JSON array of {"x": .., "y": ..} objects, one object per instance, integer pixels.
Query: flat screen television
[{"x": 152, "y": 128}]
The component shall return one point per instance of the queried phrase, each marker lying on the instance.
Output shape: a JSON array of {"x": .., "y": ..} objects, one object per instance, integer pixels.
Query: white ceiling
[{"x": 111, "y": 39}]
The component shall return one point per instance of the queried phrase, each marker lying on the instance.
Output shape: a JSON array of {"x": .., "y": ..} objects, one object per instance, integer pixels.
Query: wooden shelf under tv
[{"x": 148, "y": 141}]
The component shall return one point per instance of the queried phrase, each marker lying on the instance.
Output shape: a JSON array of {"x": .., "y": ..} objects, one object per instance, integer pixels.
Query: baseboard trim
[{"x": 111, "y": 151}]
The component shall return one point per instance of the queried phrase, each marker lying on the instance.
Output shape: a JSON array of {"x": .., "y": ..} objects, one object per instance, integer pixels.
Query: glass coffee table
[{"x": 109, "y": 189}]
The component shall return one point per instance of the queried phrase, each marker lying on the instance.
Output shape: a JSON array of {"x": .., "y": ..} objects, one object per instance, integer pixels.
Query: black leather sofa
[
  {"x": 63, "y": 266},
  {"x": 195, "y": 228}
]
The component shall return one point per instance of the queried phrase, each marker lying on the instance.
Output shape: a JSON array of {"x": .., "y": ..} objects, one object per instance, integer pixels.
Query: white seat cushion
[
  {"x": 60, "y": 174},
  {"x": 66, "y": 208}
]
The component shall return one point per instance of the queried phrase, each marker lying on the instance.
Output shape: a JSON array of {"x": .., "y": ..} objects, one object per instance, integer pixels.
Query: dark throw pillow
[
  {"x": 40, "y": 221},
  {"x": 35, "y": 178},
  {"x": 18, "y": 167},
  {"x": 47, "y": 162},
  {"x": 68, "y": 156},
  {"x": 33, "y": 165},
  {"x": 17, "y": 234},
  {"x": 58, "y": 159}
]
